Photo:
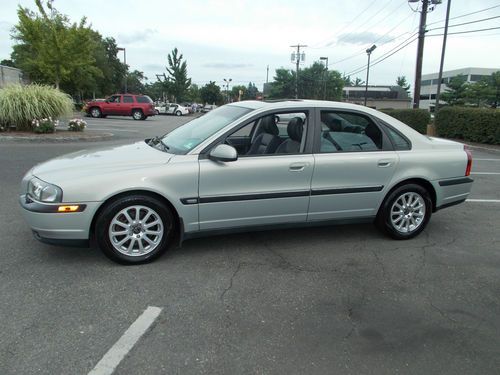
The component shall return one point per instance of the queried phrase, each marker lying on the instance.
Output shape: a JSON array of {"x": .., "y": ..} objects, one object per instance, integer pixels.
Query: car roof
[{"x": 295, "y": 103}]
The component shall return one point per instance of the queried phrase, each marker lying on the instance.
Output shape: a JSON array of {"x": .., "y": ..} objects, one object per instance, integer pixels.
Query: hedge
[
  {"x": 469, "y": 124},
  {"x": 20, "y": 105},
  {"x": 417, "y": 119}
]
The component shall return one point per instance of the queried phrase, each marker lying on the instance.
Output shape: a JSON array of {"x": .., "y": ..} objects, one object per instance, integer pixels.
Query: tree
[
  {"x": 347, "y": 80},
  {"x": 251, "y": 92},
  {"x": 402, "y": 82},
  {"x": 135, "y": 83},
  {"x": 8, "y": 62},
  {"x": 235, "y": 93},
  {"x": 455, "y": 92},
  {"x": 358, "y": 82},
  {"x": 211, "y": 94},
  {"x": 177, "y": 70},
  {"x": 52, "y": 49},
  {"x": 283, "y": 85}
]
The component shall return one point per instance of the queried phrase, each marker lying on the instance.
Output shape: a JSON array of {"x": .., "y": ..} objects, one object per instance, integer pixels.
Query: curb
[
  {"x": 483, "y": 148},
  {"x": 56, "y": 139}
]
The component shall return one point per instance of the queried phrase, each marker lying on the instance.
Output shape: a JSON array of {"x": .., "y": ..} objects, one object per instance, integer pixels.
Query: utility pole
[
  {"x": 325, "y": 73},
  {"x": 369, "y": 53},
  {"x": 420, "y": 52},
  {"x": 266, "y": 86},
  {"x": 440, "y": 78},
  {"x": 297, "y": 58},
  {"x": 124, "y": 63}
]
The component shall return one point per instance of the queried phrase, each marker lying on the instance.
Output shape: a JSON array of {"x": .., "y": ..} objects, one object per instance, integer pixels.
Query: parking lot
[{"x": 341, "y": 300}]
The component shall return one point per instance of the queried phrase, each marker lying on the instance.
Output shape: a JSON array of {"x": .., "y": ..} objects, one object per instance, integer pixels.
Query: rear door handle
[
  {"x": 385, "y": 163},
  {"x": 297, "y": 167}
]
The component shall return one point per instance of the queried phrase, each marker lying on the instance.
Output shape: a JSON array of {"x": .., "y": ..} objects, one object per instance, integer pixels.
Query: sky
[{"x": 239, "y": 39}]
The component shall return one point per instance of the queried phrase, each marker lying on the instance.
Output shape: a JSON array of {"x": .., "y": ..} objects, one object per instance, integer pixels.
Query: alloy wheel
[{"x": 408, "y": 212}]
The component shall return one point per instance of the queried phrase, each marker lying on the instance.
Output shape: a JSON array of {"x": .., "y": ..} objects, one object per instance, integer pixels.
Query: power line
[
  {"x": 467, "y": 31},
  {"x": 466, "y": 23},
  {"x": 466, "y": 14}
]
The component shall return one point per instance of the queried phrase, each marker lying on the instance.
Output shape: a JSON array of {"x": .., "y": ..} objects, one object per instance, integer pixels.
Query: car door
[
  {"x": 113, "y": 105},
  {"x": 126, "y": 107},
  {"x": 354, "y": 164},
  {"x": 257, "y": 190}
]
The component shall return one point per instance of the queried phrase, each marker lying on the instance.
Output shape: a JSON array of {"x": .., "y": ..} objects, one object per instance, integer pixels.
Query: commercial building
[
  {"x": 10, "y": 75},
  {"x": 430, "y": 83},
  {"x": 378, "y": 97}
]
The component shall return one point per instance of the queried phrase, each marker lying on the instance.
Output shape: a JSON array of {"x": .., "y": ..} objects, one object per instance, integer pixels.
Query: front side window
[
  {"x": 347, "y": 131},
  {"x": 114, "y": 99},
  {"x": 272, "y": 134},
  {"x": 188, "y": 136}
]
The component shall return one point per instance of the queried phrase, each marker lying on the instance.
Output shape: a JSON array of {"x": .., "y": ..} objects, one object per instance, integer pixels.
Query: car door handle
[
  {"x": 385, "y": 163},
  {"x": 297, "y": 167}
]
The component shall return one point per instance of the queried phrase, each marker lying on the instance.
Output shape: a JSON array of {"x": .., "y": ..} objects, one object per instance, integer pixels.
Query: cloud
[
  {"x": 220, "y": 65},
  {"x": 136, "y": 36},
  {"x": 366, "y": 37}
]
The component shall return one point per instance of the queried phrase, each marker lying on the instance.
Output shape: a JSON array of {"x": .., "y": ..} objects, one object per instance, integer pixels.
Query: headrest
[
  {"x": 268, "y": 125},
  {"x": 295, "y": 128},
  {"x": 334, "y": 124}
]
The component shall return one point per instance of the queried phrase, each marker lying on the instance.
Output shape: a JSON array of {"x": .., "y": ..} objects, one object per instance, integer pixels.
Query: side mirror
[{"x": 223, "y": 153}]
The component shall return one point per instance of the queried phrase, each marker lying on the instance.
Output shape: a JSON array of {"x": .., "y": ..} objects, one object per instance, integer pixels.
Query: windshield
[{"x": 188, "y": 136}]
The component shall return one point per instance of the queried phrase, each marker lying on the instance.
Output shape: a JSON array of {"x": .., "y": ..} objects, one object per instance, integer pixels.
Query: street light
[
  {"x": 227, "y": 88},
  {"x": 368, "y": 52},
  {"x": 124, "y": 63},
  {"x": 325, "y": 76}
]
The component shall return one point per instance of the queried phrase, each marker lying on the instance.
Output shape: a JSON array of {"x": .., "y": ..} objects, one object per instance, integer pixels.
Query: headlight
[{"x": 43, "y": 191}]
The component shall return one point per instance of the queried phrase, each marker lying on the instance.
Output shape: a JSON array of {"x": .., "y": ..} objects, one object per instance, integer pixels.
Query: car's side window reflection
[
  {"x": 347, "y": 131},
  {"x": 276, "y": 133}
]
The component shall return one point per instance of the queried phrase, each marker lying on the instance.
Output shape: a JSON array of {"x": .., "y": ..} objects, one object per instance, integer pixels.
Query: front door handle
[{"x": 297, "y": 167}]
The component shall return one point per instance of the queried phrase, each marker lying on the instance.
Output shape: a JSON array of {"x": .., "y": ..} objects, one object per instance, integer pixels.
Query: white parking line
[
  {"x": 108, "y": 363},
  {"x": 483, "y": 200},
  {"x": 494, "y": 173},
  {"x": 487, "y": 159},
  {"x": 114, "y": 129}
]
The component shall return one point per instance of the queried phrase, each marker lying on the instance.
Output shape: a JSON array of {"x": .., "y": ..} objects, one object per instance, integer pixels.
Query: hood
[{"x": 113, "y": 159}]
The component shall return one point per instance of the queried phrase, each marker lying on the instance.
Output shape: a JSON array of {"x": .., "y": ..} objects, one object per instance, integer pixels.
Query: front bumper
[{"x": 51, "y": 226}]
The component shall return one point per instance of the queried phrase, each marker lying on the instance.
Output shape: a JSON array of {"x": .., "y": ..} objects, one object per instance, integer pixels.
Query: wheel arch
[
  {"x": 414, "y": 180},
  {"x": 177, "y": 219}
]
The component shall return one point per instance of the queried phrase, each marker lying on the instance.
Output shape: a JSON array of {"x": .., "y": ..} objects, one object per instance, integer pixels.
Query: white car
[{"x": 171, "y": 109}]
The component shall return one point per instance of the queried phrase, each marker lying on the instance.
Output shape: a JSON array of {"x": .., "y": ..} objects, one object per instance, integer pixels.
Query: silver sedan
[{"x": 247, "y": 166}]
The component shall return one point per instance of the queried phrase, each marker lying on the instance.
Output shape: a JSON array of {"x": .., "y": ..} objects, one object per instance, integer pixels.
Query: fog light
[{"x": 68, "y": 208}]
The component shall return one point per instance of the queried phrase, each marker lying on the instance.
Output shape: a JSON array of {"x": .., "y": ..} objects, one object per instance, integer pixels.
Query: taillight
[{"x": 469, "y": 160}]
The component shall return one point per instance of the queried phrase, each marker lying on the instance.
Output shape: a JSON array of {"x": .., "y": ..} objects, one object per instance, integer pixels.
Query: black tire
[
  {"x": 95, "y": 112},
  {"x": 109, "y": 212},
  {"x": 157, "y": 112},
  {"x": 384, "y": 220},
  {"x": 178, "y": 113},
  {"x": 137, "y": 114}
]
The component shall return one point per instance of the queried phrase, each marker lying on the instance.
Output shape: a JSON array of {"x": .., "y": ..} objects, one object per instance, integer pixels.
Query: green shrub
[
  {"x": 469, "y": 124},
  {"x": 417, "y": 119},
  {"x": 77, "y": 125},
  {"x": 45, "y": 125},
  {"x": 20, "y": 105}
]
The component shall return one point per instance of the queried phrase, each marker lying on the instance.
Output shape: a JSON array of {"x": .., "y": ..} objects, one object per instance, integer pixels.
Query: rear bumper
[{"x": 452, "y": 191}]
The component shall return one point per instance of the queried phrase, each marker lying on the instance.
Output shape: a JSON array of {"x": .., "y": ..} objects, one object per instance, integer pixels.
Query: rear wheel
[
  {"x": 405, "y": 212},
  {"x": 134, "y": 229},
  {"x": 95, "y": 112},
  {"x": 157, "y": 112},
  {"x": 178, "y": 113},
  {"x": 137, "y": 114}
]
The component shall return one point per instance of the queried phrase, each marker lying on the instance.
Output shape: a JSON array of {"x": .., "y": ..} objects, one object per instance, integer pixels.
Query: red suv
[{"x": 139, "y": 107}]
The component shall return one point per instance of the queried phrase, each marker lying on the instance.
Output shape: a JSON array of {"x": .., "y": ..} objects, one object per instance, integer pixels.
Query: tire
[
  {"x": 137, "y": 114},
  {"x": 157, "y": 112},
  {"x": 131, "y": 241},
  {"x": 405, "y": 212},
  {"x": 95, "y": 112},
  {"x": 178, "y": 113}
]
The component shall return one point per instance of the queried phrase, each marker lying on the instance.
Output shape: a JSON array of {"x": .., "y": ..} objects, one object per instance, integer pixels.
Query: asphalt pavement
[{"x": 337, "y": 300}]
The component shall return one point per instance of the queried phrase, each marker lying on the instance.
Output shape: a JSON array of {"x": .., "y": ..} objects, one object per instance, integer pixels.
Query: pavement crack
[
  {"x": 238, "y": 268},
  {"x": 380, "y": 263},
  {"x": 286, "y": 264},
  {"x": 443, "y": 313}
]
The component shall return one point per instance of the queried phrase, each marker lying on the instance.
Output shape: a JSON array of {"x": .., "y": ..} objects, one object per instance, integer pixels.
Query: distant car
[
  {"x": 208, "y": 107},
  {"x": 171, "y": 109},
  {"x": 139, "y": 107},
  {"x": 233, "y": 170}
]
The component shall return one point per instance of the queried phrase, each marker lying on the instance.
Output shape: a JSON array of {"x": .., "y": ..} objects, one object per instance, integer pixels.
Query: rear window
[{"x": 143, "y": 99}]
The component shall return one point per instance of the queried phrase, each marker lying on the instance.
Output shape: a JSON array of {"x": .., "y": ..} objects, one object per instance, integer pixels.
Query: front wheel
[
  {"x": 178, "y": 113},
  {"x": 95, "y": 112},
  {"x": 137, "y": 114},
  {"x": 134, "y": 229},
  {"x": 405, "y": 212}
]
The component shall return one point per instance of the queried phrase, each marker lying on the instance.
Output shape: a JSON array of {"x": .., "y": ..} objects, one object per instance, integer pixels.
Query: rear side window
[
  {"x": 400, "y": 143},
  {"x": 128, "y": 99},
  {"x": 143, "y": 99},
  {"x": 349, "y": 132}
]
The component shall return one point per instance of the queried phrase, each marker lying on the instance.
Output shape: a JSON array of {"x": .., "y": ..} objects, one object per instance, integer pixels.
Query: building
[
  {"x": 378, "y": 97},
  {"x": 10, "y": 75},
  {"x": 430, "y": 83}
]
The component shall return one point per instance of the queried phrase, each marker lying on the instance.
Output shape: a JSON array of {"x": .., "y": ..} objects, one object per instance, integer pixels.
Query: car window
[
  {"x": 143, "y": 99},
  {"x": 128, "y": 99},
  {"x": 400, "y": 143},
  {"x": 186, "y": 137},
  {"x": 348, "y": 131},
  {"x": 114, "y": 99}
]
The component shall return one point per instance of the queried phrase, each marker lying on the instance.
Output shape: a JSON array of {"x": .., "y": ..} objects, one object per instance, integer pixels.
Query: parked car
[
  {"x": 171, "y": 109},
  {"x": 233, "y": 170},
  {"x": 139, "y": 107},
  {"x": 208, "y": 107}
]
